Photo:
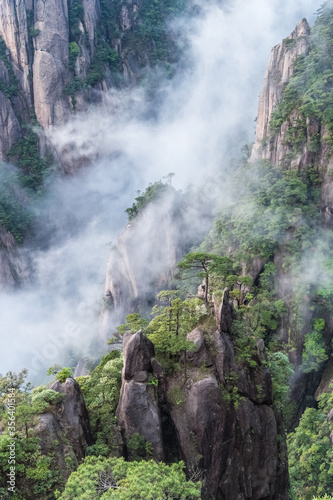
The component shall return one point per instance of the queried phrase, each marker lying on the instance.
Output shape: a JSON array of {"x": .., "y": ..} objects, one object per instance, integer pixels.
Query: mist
[{"x": 203, "y": 117}]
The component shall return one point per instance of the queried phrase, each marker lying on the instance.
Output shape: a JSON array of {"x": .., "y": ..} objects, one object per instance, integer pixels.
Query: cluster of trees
[
  {"x": 35, "y": 473},
  {"x": 310, "y": 90},
  {"x": 311, "y": 453},
  {"x": 104, "y": 478}
]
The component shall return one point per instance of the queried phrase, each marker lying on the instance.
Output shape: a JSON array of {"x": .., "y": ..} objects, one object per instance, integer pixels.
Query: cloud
[{"x": 200, "y": 120}]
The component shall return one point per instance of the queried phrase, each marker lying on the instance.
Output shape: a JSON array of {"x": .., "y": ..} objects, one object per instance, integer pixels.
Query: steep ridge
[
  {"x": 58, "y": 57},
  {"x": 144, "y": 259},
  {"x": 14, "y": 265},
  {"x": 278, "y": 73},
  {"x": 285, "y": 136},
  {"x": 232, "y": 441}
]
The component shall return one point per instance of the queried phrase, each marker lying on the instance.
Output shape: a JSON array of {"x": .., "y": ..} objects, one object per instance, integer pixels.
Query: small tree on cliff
[
  {"x": 205, "y": 266},
  {"x": 173, "y": 321}
]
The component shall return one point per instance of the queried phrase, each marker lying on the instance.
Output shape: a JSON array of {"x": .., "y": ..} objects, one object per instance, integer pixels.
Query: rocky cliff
[
  {"x": 217, "y": 416},
  {"x": 143, "y": 261},
  {"x": 56, "y": 57},
  {"x": 293, "y": 135},
  {"x": 14, "y": 264},
  {"x": 64, "y": 429},
  {"x": 278, "y": 73}
]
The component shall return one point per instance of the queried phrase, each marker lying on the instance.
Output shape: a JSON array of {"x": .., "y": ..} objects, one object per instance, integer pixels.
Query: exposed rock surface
[
  {"x": 64, "y": 429},
  {"x": 275, "y": 147},
  {"x": 10, "y": 129},
  {"x": 219, "y": 419},
  {"x": 144, "y": 259},
  {"x": 14, "y": 31},
  {"x": 138, "y": 410},
  {"x": 14, "y": 266},
  {"x": 50, "y": 67},
  {"x": 74, "y": 416},
  {"x": 278, "y": 73}
]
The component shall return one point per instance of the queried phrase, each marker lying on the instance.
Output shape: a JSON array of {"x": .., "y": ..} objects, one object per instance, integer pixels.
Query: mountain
[{"x": 195, "y": 402}]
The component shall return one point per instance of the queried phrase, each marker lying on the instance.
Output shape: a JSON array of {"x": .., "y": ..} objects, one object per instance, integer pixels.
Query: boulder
[{"x": 138, "y": 411}]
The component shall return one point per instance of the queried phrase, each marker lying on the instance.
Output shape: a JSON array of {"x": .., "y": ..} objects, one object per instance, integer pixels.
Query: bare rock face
[
  {"x": 217, "y": 417},
  {"x": 200, "y": 356},
  {"x": 138, "y": 410},
  {"x": 278, "y": 73},
  {"x": 14, "y": 31},
  {"x": 51, "y": 61},
  {"x": 138, "y": 270},
  {"x": 53, "y": 440},
  {"x": 14, "y": 266},
  {"x": 73, "y": 416},
  {"x": 10, "y": 130},
  {"x": 92, "y": 12},
  {"x": 64, "y": 430}
]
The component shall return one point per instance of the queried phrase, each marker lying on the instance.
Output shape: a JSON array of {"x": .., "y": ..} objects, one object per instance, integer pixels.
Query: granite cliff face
[
  {"x": 278, "y": 73},
  {"x": 142, "y": 263},
  {"x": 14, "y": 264},
  {"x": 60, "y": 55},
  {"x": 57, "y": 58},
  {"x": 64, "y": 429},
  {"x": 278, "y": 145},
  {"x": 231, "y": 442}
]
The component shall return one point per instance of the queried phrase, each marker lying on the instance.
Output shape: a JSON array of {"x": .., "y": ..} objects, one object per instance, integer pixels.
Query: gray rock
[
  {"x": 10, "y": 129},
  {"x": 138, "y": 351},
  {"x": 73, "y": 416},
  {"x": 279, "y": 71},
  {"x": 50, "y": 68},
  {"x": 14, "y": 31},
  {"x": 138, "y": 410},
  {"x": 54, "y": 442},
  {"x": 201, "y": 355},
  {"x": 14, "y": 265},
  {"x": 92, "y": 12}
]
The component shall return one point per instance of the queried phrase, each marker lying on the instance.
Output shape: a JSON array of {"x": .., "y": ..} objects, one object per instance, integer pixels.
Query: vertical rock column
[
  {"x": 279, "y": 71},
  {"x": 50, "y": 68},
  {"x": 138, "y": 410}
]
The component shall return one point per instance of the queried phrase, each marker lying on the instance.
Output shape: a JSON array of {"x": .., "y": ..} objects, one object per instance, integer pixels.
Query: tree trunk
[{"x": 206, "y": 290}]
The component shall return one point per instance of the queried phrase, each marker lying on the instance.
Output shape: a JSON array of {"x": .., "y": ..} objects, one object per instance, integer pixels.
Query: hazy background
[{"x": 205, "y": 114}]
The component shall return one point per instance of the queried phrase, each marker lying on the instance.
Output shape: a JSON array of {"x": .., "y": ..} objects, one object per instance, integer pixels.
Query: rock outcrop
[
  {"x": 138, "y": 410},
  {"x": 278, "y": 148},
  {"x": 145, "y": 257},
  {"x": 218, "y": 417},
  {"x": 279, "y": 71},
  {"x": 51, "y": 58},
  {"x": 14, "y": 267},
  {"x": 74, "y": 416},
  {"x": 64, "y": 429},
  {"x": 9, "y": 124}
]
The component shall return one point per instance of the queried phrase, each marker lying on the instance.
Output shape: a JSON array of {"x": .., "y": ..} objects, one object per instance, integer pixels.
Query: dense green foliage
[
  {"x": 152, "y": 193},
  {"x": 26, "y": 156},
  {"x": 173, "y": 320},
  {"x": 36, "y": 473},
  {"x": 61, "y": 373},
  {"x": 269, "y": 202},
  {"x": 134, "y": 323},
  {"x": 101, "y": 393},
  {"x": 310, "y": 91},
  {"x": 9, "y": 88},
  {"x": 114, "y": 478},
  {"x": 311, "y": 453},
  {"x": 15, "y": 212},
  {"x": 154, "y": 26}
]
